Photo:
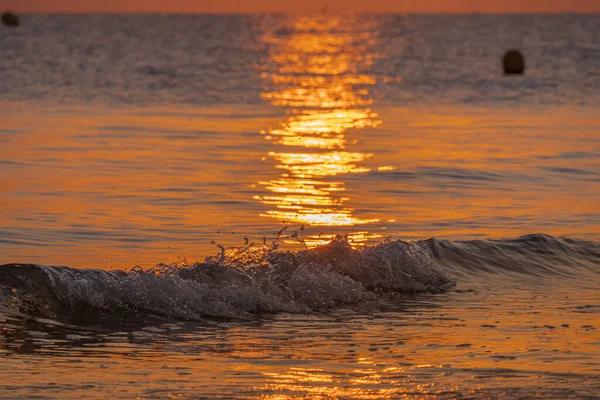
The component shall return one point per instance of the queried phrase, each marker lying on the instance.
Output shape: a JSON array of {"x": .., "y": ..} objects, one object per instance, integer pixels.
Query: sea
[{"x": 285, "y": 206}]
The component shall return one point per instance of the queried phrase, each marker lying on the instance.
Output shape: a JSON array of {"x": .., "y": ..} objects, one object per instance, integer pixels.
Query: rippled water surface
[
  {"x": 499, "y": 341},
  {"x": 135, "y": 140}
]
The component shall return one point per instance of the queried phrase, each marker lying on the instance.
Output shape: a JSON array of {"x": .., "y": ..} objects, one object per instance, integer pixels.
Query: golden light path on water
[{"x": 316, "y": 70}]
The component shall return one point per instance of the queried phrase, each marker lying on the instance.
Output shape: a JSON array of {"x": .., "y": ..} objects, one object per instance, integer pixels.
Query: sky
[{"x": 246, "y": 6}]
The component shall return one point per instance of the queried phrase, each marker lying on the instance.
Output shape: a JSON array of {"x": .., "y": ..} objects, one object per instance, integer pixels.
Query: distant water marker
[
  {"x": 514, "y": 63},
  {"x": 10, "y": 19}
]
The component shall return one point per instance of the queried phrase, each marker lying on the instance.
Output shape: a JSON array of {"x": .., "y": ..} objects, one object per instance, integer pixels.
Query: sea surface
[{"x": 288, "y": 206}]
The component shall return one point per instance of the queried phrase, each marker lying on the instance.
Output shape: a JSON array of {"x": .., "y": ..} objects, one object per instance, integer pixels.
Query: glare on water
[{"x": 319, "y": 77}]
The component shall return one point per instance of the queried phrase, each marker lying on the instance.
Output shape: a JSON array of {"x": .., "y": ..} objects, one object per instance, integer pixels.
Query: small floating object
[
  {"x": 10, "y": 19},
  {"x": 513, "y": 62}
]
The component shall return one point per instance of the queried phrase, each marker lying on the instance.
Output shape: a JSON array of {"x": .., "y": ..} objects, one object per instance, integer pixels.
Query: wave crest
[
  {"x": 535, "y": 254},
  {"x": 236, "y": 284},
  {"x": 252, "y": 280}
]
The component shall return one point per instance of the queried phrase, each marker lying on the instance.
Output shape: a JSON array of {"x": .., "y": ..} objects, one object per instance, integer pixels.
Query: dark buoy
[
  {"x": 513, "y": 62},
  {"x": 10, "y": 19}
]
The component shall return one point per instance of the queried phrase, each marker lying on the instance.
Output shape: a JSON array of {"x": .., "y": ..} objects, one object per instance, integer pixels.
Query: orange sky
[{"x": 245, "y": 6}]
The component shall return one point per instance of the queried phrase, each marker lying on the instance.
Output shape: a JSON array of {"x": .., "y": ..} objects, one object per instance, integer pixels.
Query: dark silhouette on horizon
[
  {"x": 513, "y": 62},
  {"x": 10, "y": 19}
]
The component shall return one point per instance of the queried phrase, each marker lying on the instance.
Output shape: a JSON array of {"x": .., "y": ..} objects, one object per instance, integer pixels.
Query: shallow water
[{"x": 135, "y": 140}]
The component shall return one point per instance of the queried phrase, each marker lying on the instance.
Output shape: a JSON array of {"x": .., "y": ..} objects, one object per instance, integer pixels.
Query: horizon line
[{"x": 166, "y": 13}]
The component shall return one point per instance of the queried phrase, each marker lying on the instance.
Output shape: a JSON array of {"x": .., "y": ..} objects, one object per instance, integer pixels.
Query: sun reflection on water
[
  {"x": 317, "y": 71},
  {"x": 300, "y": 382}
]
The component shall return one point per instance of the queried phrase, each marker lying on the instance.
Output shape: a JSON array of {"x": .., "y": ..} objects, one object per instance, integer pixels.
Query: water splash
[
  {"x": 252, "y": 280},
  {"x": 237, "y": 283}
]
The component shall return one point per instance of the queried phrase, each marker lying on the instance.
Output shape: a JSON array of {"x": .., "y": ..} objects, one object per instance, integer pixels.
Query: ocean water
[{"x": 289, "y": 206}]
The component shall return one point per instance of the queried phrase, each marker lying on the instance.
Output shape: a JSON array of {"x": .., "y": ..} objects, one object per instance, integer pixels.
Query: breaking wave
[{"x": 253, "y": 280}]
